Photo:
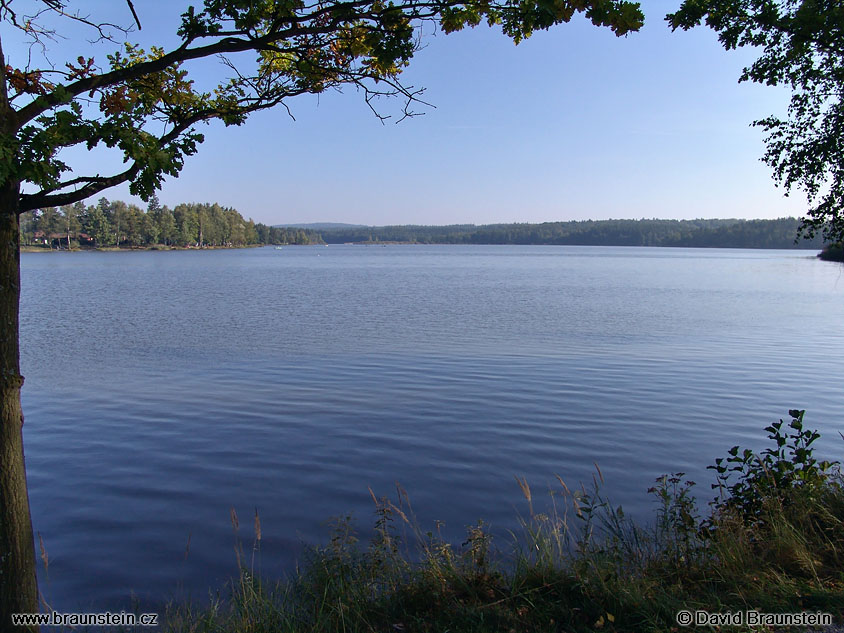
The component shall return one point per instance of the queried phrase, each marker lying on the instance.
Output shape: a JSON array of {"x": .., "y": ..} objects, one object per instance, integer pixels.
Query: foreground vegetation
[{"x": 772, "y": 541}]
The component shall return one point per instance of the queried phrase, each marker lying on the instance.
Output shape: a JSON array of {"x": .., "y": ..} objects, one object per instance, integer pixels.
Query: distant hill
[{"x": 320, "y": 226}]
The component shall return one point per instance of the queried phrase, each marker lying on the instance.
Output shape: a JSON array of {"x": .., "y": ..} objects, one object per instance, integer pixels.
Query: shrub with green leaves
[{"x": 751, "y": 484}]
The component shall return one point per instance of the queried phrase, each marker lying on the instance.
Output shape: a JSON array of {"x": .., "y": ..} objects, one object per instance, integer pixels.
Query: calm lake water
[{"x": 164, "y": 388}]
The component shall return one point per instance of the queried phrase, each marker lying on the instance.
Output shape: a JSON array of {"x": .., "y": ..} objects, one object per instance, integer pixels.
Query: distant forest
[
  {"x": 779, "y": 233},
  {"x": 117, "y": 224}
]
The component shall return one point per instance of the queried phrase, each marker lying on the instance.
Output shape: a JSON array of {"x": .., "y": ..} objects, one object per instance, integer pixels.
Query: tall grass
[{"x": 772, "y": 540}]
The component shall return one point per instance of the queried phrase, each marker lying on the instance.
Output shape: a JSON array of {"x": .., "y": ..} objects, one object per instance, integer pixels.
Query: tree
[
  {"x": 49, "y": 223},
  {"x": 144, "y": 105},
  {"x": 187, "y": 224},
  {"x": 70, "y": 213},
  {"x": 27, "y": 227},
  {"x": 166, "y": 226},
  {"x": 802, "y": 46},
  {"x": 154, "y": 206},
  {"x": 97, "y": 223},
  {"x": 149, "y": 228},
  {"x": 119, "y": 220}
]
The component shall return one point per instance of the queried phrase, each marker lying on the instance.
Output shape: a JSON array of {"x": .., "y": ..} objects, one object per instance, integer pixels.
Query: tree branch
[
  {"x": 89, "y": 84},
  {"x": 134, "y": 15},
  {"x": 238, "y": 42},
  {"x": 96, "y": 184}
]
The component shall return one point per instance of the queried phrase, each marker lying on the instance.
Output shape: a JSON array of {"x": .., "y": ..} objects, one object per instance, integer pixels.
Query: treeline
[
  {"x": 730, "y": 233},
  {"x": 117, "y": 224}
]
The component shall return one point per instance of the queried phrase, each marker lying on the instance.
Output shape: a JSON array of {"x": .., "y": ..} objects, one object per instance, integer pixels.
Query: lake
[{"x": 165, "y": 388}]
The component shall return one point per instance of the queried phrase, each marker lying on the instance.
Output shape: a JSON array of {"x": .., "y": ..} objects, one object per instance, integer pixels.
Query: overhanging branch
[
  {"x": 239, "y": 42},
  {"x": 96, "y": 184},
  {"x": 54, "y": 196}
]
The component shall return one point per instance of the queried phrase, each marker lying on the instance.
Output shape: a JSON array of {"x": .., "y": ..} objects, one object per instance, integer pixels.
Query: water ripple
[{"x": 164, "y": 389}]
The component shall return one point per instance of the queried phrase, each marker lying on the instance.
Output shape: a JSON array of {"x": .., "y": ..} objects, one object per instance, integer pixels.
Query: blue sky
[{"x": 573, "y": 123}]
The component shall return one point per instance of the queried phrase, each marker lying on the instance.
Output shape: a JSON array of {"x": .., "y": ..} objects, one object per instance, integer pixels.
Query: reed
[{"x": 772, "y": 540}]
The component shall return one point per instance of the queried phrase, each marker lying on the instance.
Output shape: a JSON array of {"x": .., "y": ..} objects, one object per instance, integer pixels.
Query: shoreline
[
  {"x": 114, "y": 249},
  {"x": 120, "y": 249}
]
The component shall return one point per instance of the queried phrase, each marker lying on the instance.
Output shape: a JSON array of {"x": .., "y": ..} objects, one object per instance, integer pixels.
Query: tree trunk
[{"x": 18, "y": 589}]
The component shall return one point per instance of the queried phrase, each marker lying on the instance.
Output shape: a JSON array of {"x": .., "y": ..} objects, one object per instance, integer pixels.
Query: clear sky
[{"x": 573, "y": 123}]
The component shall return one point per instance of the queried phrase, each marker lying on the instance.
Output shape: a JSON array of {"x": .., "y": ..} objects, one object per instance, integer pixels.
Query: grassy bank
[{"x": 772, "y": 540}]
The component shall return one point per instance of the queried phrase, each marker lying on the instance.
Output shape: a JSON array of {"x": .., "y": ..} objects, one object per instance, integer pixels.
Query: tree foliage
[
  {"x": 801, "y": 45},
  {"x": 145, "y": 104}
]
